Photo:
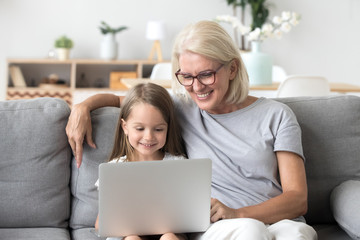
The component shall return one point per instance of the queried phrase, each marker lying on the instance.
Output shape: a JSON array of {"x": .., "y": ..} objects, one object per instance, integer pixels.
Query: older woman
[{"x": 259, "y": 186}]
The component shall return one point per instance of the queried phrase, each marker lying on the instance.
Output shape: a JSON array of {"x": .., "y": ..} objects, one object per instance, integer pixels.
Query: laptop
[{"x": 154, "y": 197}]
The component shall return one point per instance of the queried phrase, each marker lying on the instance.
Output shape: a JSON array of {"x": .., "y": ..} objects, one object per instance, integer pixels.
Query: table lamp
[{"x": 155, "y": 30}]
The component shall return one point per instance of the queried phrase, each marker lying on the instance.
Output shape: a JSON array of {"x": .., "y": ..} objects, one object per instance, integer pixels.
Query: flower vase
[
  {"x": 258, "y": 65},
  {"x": 109, "y": 47}
]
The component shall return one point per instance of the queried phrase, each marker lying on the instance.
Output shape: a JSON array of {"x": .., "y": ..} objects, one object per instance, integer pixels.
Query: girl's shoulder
[{"x": 169, "y": 156}]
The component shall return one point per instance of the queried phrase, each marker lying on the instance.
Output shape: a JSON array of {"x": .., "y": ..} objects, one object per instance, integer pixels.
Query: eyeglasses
[{"x": 205, "y": 77}]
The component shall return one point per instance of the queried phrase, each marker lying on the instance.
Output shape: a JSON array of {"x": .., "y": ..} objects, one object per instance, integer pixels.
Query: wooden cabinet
[{"x": 82, "y": 77}]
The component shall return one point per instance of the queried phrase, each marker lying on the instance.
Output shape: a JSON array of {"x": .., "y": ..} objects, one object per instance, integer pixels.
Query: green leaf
[{"x": 105, "y": 28}]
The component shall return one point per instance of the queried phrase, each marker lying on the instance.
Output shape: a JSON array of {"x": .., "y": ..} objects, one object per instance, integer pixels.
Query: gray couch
[{"x": 44, "y": 196}]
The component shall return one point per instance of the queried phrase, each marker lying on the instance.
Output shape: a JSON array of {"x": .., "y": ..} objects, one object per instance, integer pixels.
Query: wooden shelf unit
[{"x": 78, "y": 75}]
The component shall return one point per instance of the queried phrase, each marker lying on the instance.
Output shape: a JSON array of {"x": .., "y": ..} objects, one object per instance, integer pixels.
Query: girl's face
[
  {"x": 210, "y": 98},
  {"x": 146, "y": 130}
]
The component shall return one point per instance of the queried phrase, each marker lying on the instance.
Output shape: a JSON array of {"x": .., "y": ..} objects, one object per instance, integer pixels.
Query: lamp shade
[{"x": 155, "y": 30}]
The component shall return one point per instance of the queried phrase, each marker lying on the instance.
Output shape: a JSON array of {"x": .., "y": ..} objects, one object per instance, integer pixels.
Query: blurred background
[{"x": 326, "y": 41}]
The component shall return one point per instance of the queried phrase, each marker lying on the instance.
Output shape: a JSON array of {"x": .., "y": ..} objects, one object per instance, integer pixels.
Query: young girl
[{"x": 147, "y": 130}]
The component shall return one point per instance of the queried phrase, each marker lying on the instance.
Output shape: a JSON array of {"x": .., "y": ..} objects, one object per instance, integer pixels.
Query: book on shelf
[{"x": 17, "y": 77}]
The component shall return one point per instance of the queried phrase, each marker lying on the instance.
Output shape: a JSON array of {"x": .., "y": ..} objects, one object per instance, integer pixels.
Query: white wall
[{"x": 326, "y": 42}]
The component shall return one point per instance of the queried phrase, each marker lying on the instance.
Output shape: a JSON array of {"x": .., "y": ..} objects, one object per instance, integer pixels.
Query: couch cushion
[
  {"x": 345, "y": 203},
  {"x": 34, "y": 163},
  {"x": 330, "y": 232},
  {"x": 35, "y": 233},
  {"x": 85, "y": 195},
  {"x": 86, "y": 233},
  {"x": 331, "y": 139}
]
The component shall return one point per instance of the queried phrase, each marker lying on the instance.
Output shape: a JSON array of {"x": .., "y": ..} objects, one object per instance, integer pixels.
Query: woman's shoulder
[
  {"x": 271, "y": 102},
  {"x": 273, "y": 105},
  {"x": 269, "y": 109}
]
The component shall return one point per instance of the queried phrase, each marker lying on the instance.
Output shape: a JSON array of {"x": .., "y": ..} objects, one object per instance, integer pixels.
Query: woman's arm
[
  {"x": 290, "y": 204},
  {"x": 97, "y": 222},
  {"x": 79, "y": 123}
]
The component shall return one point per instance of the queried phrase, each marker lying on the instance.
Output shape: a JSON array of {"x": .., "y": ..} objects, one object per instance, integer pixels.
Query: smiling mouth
[
  {"x": 147, "y": 145},
  {"x": 203, "y": 95}
]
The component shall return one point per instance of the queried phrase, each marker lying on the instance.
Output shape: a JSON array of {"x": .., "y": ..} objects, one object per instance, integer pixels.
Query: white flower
[
  {"x": 254, "y": 35},
  {"x": 244, "y": 29},
  {"x": 267, "y": 29},
  {"x": 277, "y": 20},
  {"x": 285, "y": 27},
  {"x": 285, "y": 16},
  {"x": 294, "y": 19},
  {"x": 276, "y": 28},
  {"x": 234, "y": 22}
]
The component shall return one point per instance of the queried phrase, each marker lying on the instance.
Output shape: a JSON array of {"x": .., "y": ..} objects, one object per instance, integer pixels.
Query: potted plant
[
  {"x": 63, "y": 45},
  {"x": 109, "y": 46}
]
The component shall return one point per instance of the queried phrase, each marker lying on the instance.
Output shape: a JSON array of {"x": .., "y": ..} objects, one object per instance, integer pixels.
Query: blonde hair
[
  {"x": 158, "y": 97},
  {"x": 209, "y": 39}
]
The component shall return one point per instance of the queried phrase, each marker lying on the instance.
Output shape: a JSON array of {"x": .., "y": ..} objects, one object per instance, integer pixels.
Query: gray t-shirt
[{"x": 242, "y": 146}]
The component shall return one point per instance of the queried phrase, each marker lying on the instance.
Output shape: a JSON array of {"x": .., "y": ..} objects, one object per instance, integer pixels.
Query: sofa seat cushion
[
  {"x": 34, "y": 163},
  {"x": 35, "y": 233},
  {"x": 85, "y": 233},
  {"x": 331, "y": 232},
  {"x": 345, "y": 204}
]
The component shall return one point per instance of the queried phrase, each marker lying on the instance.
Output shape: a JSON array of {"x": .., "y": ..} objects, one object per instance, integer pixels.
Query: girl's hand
[
  {"x": 220, "y": 211},
  {"x": 77, "y": 128}
]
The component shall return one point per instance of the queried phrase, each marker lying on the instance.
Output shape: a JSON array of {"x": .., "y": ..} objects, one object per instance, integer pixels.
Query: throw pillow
[{"x": 345, "y": 205}]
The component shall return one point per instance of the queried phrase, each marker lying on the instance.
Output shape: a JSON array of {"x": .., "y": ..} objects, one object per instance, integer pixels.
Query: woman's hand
[
  {"x": 220, "y": 211},
  {"x": 79, "y": 128}
]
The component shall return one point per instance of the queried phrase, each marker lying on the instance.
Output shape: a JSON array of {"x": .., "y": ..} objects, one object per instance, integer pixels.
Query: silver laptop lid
[{"x": 154, "y": 197}]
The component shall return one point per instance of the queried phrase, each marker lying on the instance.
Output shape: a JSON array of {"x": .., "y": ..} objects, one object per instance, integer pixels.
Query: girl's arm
[
  {"x": 79, "y": 123},
  {"x": 290, "y": 204}
]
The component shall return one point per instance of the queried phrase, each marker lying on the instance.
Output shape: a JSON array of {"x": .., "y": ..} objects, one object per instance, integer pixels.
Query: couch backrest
[
  {"x": 84, "y": 192},
  {"x": 35, "y": 158},
  {"x": 331, "y": 139},
  {"x": 34, "y": 163},
  {"x": 331, "y": 142}
]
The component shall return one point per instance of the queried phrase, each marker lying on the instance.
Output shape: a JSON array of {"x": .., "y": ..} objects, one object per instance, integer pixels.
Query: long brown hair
[{"x": 158, "y": 97}]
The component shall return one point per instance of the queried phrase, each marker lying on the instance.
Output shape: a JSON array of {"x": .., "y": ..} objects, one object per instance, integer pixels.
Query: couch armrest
[{"x": 345, "y": 205}]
